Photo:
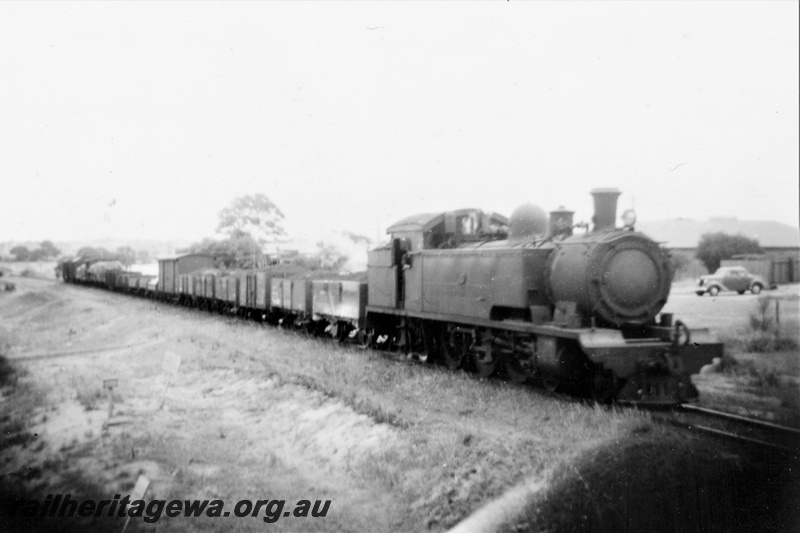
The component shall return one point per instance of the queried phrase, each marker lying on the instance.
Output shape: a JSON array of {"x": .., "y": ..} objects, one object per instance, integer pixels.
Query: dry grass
[
  {"x": 464, "y": 440},
  {"x": 763, "y": 333}
]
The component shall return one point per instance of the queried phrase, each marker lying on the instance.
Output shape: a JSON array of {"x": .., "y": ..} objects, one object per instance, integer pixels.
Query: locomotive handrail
[{"x": 676, "y": 339}]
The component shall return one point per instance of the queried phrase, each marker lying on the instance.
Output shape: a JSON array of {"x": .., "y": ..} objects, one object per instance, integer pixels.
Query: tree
[
  {"x": 126, "y": 255},
  {"x": 49, "y": 250},
  {"x": 254, "y": 215},
  {"x": 21, "y": 253},
  {"x": 680, "y": 262},
  {"x": 143, "y": 257},
  {"x": 714, "y": 247}
]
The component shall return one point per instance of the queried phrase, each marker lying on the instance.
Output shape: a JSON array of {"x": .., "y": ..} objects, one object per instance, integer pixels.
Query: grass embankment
[
  {"x": 256, "y": 412},
  {"x": 763, "y": 362}
]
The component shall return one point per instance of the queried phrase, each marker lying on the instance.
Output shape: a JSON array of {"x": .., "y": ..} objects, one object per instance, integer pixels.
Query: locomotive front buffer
[{"x": 656, "y": 366}]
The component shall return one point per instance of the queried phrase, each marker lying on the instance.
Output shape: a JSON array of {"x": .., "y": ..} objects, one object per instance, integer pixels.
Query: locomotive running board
[
  {"x": 607, "y": 347},
  {"x": 519, "y": 326}
]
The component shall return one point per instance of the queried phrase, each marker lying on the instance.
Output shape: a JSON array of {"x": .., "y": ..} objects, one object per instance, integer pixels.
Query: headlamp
[{"x": 629, "y": 218}]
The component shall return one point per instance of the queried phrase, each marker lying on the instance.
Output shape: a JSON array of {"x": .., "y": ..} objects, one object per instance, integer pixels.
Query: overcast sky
[{"x": 143, "y": 120}]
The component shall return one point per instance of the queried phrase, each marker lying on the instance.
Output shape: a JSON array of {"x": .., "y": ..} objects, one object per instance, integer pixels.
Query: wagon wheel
[
  {"x": 311, "y": 328},
  {"x": 365, "y": 338},
  {"x": 432, "y": 347},
  {"x": 603, "y": 385},
  {"x": 485, "y": 364},
  {"x": 340, "y": 331},
  {"x": 518, "y": 369},
  {"x": 453, "y": 351}
]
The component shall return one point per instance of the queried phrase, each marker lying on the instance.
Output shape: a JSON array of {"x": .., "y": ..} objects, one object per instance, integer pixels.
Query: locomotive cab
[{"x": 431, "y": 231}]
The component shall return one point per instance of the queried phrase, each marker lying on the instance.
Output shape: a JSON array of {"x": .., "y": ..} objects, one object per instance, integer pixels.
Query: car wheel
[
  {"x": 756, "y": 288},
  {"x": 740, "y": 292},
  {"x": 713, "y": 291}
]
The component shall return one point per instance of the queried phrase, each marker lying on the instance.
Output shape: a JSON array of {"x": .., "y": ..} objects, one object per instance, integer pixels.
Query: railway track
[{"x": 742, "y": 429}]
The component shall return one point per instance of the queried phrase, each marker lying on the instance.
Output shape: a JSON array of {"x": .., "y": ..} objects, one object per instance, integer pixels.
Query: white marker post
[
  {"x": 109, "y": 385},
  {"x": 139, "y": 490},
  {"x": 170, "y": 365}
]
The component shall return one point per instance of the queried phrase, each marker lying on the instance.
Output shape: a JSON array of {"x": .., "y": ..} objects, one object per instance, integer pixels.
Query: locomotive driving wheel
[
  {"x": 485, "y": 364},
  {"x": 454, "y": 351},
  {"x": 518, "y": 368}
]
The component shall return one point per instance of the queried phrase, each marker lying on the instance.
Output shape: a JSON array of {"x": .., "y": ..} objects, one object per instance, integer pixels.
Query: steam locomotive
[{"x": 527, "y": 296}]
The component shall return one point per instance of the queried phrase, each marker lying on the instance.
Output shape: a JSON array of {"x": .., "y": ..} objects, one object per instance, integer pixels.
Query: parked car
[{"x": 730, "y": 279}]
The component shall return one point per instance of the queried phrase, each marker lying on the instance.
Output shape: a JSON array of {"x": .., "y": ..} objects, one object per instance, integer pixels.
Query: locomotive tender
[{"x": 526, "y": 296}]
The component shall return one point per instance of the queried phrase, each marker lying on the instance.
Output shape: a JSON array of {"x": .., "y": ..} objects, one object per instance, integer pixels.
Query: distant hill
[{"x": 685, "y": 233}]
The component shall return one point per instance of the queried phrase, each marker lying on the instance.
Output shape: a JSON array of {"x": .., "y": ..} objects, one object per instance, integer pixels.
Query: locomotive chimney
[
  {"x": 605, "y": 208},
  {"x": 561, "y": 222}
]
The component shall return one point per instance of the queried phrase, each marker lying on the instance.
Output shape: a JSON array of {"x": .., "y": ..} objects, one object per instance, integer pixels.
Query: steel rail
[{"x": 738, "y": 418}]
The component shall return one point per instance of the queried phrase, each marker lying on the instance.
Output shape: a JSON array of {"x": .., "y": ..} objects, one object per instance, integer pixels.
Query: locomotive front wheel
[
  {"x": 603, "y": 385},
  {"x": 550, "y": 385}
]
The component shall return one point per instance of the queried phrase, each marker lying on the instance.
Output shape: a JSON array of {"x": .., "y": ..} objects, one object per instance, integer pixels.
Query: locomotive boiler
[{"x": 533, "y": 297}]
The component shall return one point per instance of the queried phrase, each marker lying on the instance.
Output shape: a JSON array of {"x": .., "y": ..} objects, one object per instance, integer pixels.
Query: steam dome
[{"x": 526, "y": 221}]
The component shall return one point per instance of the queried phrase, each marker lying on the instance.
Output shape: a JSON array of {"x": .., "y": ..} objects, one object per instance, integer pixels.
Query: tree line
[{"x": 45, "y": 252}]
